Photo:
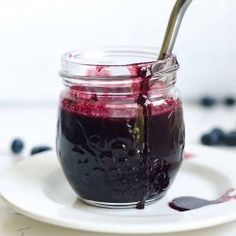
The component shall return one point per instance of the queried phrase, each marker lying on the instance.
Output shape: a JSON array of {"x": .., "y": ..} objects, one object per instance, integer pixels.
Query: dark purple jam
[
  {"x": 191, "y": 203},
  {"x": 120, "y": 153},
  {"x": 103, "y": 162}
]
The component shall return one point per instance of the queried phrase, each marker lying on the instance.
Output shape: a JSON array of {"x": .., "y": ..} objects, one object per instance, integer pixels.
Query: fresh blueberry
[
  {"x": 230, "y": 139},
  {"x": 209, "y": 139},
  {"x": 39, "y": 149},
  {"x": 17, "y": 146},
  {"x": 229, "y": 101},
  {"x": 218, "y": 133},
  {"x": 208, "y": 101}
]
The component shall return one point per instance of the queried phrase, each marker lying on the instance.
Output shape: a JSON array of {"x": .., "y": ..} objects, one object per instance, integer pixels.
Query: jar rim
[
  {"x": 89, "y": 56},
  {"x": 77, "y": 62}
]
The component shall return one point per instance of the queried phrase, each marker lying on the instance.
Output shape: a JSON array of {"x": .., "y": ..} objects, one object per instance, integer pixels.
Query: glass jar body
[{"x": 120, "y": 145}]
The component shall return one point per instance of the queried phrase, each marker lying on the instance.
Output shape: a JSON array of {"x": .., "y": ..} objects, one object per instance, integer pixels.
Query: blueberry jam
[
  {"x": 192, "y": 203},
  {"x": 120, "y": 150}
]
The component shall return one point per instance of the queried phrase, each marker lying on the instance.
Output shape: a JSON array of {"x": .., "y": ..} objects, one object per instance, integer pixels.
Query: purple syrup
[
  {"x": 145, "y": 114},
  {"x": 191, "y": 203},
  {"x": 131, "y": 157}
]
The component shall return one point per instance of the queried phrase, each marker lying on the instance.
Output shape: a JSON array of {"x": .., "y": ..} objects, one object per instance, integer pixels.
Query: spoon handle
[{"x": 172, "y": 30}]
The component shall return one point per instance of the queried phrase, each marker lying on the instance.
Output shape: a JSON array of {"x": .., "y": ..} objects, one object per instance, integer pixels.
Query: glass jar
[{"x": 120, "y": 133}]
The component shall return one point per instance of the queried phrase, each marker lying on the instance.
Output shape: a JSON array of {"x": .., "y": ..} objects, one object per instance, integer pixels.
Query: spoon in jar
[{"x": 173, "y": 27}]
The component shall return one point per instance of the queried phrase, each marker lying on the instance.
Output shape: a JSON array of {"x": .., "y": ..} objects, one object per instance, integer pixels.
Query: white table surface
[{"x": 37, "y": 125}]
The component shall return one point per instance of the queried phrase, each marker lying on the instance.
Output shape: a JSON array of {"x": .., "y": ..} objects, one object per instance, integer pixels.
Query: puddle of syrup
[{"x": 191, "y": 203}]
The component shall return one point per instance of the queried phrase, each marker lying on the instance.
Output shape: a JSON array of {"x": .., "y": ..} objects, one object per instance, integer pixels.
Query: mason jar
[{"x": 120, "y": 131}]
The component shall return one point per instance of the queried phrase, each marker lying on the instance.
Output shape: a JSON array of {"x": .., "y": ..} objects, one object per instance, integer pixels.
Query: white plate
[{"x": 37, "y": 188}]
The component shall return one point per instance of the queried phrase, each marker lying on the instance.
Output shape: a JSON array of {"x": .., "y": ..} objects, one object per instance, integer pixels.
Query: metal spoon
[{"x": 173, "y": 26}]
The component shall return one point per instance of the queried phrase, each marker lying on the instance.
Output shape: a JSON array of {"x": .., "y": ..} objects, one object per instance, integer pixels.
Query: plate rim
[{"x": 128, "y": 230}]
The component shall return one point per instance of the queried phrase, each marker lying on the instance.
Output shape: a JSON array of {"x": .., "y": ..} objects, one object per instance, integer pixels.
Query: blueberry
[
  {"x": 17, "y": 146},
  {"x": 230, "y": 139},
  {"x": 229, "y": 101},
  {"x": 39, "y": 149},
  {"x": 218, "y": 133},
  {"x": 208, "y": 101},
  {"x": 210, "y": 139}
]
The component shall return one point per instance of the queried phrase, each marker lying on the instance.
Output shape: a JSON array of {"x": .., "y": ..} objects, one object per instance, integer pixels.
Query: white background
[{"x": 34, "y": 34}]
